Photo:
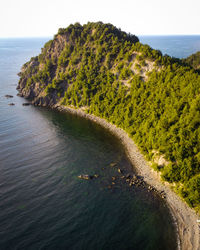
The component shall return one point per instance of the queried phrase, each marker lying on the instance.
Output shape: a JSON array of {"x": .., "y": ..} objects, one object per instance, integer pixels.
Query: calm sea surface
[
  {"x": 176, "y": 46},
  {"x": 43, "y": 205}
]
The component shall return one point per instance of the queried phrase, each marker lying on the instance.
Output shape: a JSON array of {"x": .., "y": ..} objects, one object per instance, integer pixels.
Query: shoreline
[{"x": 185, "y": 219}]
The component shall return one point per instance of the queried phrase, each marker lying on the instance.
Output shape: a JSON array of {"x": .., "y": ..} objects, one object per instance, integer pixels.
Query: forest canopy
[
  {"x": 109, "y": 73},
  {"x": 193, "y": 60}
]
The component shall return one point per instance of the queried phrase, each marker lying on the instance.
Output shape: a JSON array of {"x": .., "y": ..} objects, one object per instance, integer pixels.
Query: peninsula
[{"x": 96, "y": 70}]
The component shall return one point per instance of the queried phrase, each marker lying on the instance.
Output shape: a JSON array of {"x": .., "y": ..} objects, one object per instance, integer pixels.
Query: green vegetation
[
  {"x": 154, "y": 98},
  {"x": 193, "y": 60}
]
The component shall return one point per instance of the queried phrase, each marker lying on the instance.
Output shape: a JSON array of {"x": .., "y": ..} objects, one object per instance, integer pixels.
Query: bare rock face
[
  {"x": 45, "y": 101},
  {"x": 46, "y": 77},
  {"x": 27, "y": 86}
]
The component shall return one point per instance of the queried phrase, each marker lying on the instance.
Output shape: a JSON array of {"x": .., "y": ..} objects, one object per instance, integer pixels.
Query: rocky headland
[{"x": 150, "y": 101}]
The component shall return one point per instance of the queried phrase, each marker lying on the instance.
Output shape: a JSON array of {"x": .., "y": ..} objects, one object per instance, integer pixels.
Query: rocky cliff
[
  {"x": 154, "y": 98},
  {"x": 45, "y": 78}
]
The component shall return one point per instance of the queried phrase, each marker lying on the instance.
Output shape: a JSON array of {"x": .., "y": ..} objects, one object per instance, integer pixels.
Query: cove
[
  {"x": 56, "y": 210},
  {"x": 43, "y": 203}
]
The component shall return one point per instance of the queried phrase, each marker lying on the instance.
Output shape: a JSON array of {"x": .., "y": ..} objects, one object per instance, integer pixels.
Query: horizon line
[{"x": 51, "y": 36}]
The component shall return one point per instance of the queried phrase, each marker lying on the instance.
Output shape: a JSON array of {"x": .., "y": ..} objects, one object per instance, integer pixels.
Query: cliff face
[
  {"x": 45, "y": 78},
  {"x": 36, "y": 74},
  {"x": 108, "y": 73}
]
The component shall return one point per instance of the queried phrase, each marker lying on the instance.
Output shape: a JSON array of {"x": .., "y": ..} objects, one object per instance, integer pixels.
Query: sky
[{"x": 43, "y": 18}]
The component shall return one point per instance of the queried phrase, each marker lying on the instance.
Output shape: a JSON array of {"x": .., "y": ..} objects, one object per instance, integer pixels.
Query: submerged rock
[
  {"x": 113, "y": 164},
  {"x": 128, "y": 176}
]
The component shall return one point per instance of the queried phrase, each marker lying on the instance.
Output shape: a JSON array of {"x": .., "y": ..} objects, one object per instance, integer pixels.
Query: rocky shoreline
[{"x": 185, "y": 219}]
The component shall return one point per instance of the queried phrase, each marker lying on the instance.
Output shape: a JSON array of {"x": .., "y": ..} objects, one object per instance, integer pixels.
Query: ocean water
[
  {"x": 43, "y": 205},
  {"x": 176, "y": 46}
]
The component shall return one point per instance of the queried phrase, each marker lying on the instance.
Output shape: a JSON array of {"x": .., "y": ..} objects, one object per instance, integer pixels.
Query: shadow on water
[
  {"x": 45, "y": 206},
  {"x": 97, "y": 214}
]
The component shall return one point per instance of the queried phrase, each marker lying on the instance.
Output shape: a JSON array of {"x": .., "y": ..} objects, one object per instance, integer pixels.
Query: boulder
[
  {"x": 85, "y": 177},
  {"x": 26, "y": 104},
  {"x": 119, "y": 170},
  {"x": 9, "y": 96},
  {"x": 113, "y": 164}
]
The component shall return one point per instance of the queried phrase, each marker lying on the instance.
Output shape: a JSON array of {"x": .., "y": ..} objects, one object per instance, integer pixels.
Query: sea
[
  {"x": 180, "y": 46},
  {"x": 43, "y": 203}
]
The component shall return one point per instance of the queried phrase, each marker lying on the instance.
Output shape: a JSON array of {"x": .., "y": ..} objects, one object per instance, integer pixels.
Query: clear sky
[{"x": 30, "y": 18}]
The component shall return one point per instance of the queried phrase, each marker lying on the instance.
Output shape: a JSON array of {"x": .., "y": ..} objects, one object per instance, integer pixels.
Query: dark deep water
[{"x": 43, "y": 205}]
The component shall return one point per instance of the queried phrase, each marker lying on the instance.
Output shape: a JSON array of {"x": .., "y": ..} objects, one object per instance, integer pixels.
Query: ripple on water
[{"x": 43, "y": 203}]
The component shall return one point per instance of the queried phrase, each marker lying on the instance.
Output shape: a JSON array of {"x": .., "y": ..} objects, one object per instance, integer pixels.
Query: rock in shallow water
[
  {"x": 113, "y": 164},
  {"x": 26, "y": 104},
  {"x": 9, "y": 96},
  {"x": 88, "y": 177}
]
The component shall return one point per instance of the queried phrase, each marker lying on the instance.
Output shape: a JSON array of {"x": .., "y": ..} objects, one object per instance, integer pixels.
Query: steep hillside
[
  {"x": 193, "y": 60},
  {"x": 154, "y": 98}
]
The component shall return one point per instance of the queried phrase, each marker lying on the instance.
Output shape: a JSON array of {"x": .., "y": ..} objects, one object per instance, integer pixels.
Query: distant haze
[{"x": 30, "y": 18}]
